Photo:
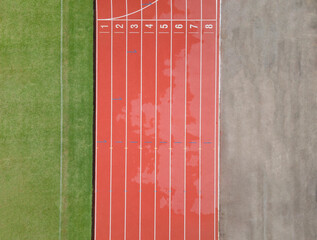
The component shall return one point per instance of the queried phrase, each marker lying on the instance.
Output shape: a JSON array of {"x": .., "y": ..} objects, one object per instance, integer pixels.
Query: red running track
[{"x": 156, "y": 172}]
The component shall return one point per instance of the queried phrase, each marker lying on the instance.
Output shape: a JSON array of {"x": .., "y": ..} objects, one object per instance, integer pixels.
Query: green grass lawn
[{"x": 30, "y": 119}]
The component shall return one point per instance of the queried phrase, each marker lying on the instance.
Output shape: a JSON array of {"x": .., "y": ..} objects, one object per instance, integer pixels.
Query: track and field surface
[
  {"x": 30, "y": 99},
  {"x": 156, "y": 119}
]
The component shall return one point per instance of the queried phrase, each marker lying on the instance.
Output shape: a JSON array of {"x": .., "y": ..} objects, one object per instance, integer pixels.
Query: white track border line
[
  {"x": 111, "y": 125},
  {"x": 155, "y": 152},
  {"x": 61, "y": 126},
  {"x": 141, "y": 122},
  {"x": 126, "y": 15},
  {"x": 126, "y": 124},
  {"x": 215, "y": 128},
  {"x": 170, "y": 137},
  {"x": 200, "y": 114},
  {"x": 96, "y": 122},
  {"x": 185, "y": 134}
]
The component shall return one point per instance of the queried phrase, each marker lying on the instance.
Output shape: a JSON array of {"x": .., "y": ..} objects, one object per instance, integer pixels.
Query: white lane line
[
  {"x": 61, "y": 130},
  {"x": 170, "y": 138},
  {"x": 141, "y": 122},
  {"x": 96, "y": 122},
  {"x": 111, "y": 125},
  {"x": 155, "y": 156},
  {"x": 200, "y": 93},
  {"x": 126, "y": 125},
  {"x": 185, "y": 134},
  {"x": 126, "y": 15}
]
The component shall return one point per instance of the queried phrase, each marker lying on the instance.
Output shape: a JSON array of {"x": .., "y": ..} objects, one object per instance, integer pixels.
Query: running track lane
[{"x": 156, "y": 166}]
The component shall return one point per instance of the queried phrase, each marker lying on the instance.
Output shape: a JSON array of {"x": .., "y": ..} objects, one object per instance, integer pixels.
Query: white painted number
[
  {"x": 134, "y": 26},
  {"x": 119, "y": 25},
  {"x": 163, "y": 26},
  {"x": 149, "y": 25},
  {"x": 179, "y": 26},
  {"x": 209, "y": 26},
  {"x": 192, "y": 26},
  {"x": 104, "y": 26}
]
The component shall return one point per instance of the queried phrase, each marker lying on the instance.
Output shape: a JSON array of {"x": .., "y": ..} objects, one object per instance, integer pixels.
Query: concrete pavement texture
[{"x": 268, "y": 144}]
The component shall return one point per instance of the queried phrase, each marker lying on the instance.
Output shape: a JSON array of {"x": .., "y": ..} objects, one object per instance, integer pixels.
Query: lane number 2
[{"x": 119, "y": 26}]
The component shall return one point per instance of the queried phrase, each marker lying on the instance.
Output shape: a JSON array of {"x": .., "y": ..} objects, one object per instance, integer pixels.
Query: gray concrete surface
[{"x": 268, "y": 120}]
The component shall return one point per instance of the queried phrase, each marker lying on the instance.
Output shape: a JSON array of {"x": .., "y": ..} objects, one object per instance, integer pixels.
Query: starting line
[{"x": 157, "y": 90}]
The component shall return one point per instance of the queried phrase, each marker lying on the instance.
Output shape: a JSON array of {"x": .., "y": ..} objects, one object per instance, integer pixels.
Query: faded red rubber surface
[{"x": 157, "y": 119}]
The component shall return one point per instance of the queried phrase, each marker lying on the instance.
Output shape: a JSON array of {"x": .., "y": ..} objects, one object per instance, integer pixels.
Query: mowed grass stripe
[
  {"x": 30, "y": 119},
  {"x": 78, "y": 118}
]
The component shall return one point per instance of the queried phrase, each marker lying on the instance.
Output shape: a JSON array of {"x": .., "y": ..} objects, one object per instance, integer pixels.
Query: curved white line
[{"x": 107, "y": 19}]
